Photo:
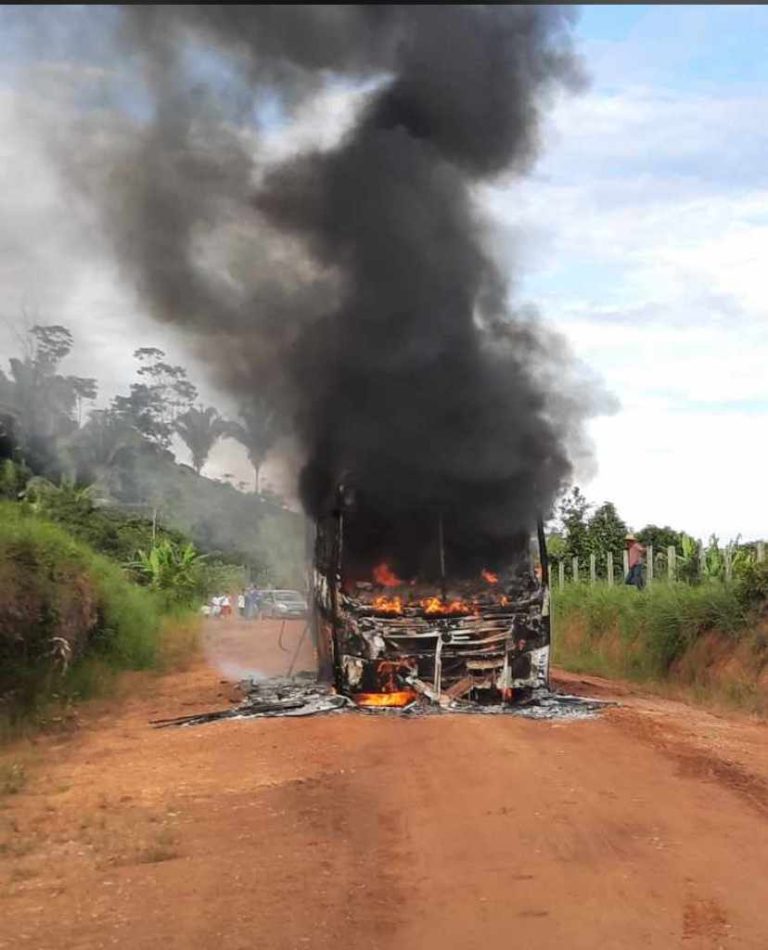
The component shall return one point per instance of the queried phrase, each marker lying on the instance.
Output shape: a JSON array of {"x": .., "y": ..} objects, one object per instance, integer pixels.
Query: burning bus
[
  {"x": 389, "y": 631},
  {"x": 365, "y": 323}
]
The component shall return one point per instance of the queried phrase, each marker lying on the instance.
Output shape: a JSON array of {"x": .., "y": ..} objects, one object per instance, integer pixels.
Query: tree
[
  {"x": 46, "y": 346},
  {"x": 199, "y": 429},
  {"x": 572, "y": 513},
  {"x": 84, "y": 389},
  {"x": 95, "y": 447},
  {"x": 8, "y": 437},
  {"x": 44, "y": 406},
  {"x": 556, "y": 546},
  {"x": 606, "y": 531},
  {"x": 170, "y": 381},
  {"x": 152, "y": 406},
  {"x": 256, "y": 433},
  {"x": 660, "y": 538}
]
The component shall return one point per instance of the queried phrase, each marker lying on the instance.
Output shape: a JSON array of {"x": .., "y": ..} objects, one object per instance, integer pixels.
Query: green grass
[
  {"x": 127, "y": 636},
  {"x": 620, "y": 631},
  {"x": 52, "y": 585}
]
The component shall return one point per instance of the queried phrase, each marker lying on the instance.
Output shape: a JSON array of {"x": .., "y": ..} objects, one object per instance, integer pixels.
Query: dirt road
[{"x": 646, "y": 827}]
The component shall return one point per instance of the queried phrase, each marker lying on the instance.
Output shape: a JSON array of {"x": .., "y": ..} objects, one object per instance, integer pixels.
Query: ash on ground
[
  {"x": 549, "y": 706},
  {"x": 302, "y": 695}
]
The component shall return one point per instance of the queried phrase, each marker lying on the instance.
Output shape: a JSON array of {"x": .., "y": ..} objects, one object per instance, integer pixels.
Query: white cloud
[
  {"x": 650, "y": 220},
  {"x": 701, "y": 473}
]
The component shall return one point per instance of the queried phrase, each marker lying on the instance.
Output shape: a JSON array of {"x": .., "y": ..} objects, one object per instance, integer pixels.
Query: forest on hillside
[{"x": 51, "y": 429}]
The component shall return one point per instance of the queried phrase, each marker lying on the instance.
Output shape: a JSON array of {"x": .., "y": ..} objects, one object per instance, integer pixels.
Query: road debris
[{"x": 303, "y": 695}]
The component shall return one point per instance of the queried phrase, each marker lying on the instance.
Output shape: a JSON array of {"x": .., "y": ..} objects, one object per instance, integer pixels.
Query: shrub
[
  {"x": 13, "y": 478},
  {"x": 108, "y": 530},
  {"x": 752, "y": 583}
]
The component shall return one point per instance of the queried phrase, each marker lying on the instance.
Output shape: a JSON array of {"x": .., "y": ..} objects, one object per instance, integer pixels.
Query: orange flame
[
  {"x": 433, "y": 605},
  {"x": 387, "y": 605},
  {"x": 430, "y": 606},
  {"x": 489, "y": 577},
  {"x": 385, "y": 576},
  {"x": 401, "y": 698}
]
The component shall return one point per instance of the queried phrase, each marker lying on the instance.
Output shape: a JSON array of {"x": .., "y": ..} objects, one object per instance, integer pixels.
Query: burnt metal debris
[
  {"x": 299, "y": 695},
  {"x": 303, "y": 695}
]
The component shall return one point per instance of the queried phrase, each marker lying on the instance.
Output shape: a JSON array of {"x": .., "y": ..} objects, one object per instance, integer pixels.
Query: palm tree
[
  {"x": 199, "y": 429},
  {"x": 256, "y": 433}
]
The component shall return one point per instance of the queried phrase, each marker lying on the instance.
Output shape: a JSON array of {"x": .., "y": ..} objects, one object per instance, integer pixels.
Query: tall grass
[
  {"x": 621, "y": 631},
  {"x": 56, "y": 593}
]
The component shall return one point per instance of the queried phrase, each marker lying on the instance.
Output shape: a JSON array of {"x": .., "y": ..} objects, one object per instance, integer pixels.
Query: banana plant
[
  {"x": 741, "y": 555},
  {"x": 171, "y": 568},
  {"x": 689, "y": 558},
  {"x": 713, "y": 560}
]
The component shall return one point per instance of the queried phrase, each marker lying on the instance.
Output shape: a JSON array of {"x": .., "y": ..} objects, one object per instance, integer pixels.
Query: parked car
[{"x": 285, "y": 604}]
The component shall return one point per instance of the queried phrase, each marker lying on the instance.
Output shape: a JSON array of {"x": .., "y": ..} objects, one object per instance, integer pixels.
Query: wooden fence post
[
  {"x": 625, "y": 560},
  {"x": 649, "y": 565},
  {"x": 561, "y": 574},
  {"x": 575, "y": 569},
  {"x": 609, "y": 567},
  {"x": 671, "y": 556},
  {"x": 592, "y": 569},
  {"x": 761, "y": 551}
]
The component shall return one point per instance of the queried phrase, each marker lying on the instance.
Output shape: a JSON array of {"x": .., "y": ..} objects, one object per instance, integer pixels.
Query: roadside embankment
[
  {"x": 69, "y": 620},
  {"x": 702, "y": 641}
]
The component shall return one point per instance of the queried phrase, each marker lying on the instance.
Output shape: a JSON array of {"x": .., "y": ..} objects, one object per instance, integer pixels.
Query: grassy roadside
[
  {"x": 70, "y": 621},
  {"x": 698, "y": 641},
  {"x": 97, "y": 678}
]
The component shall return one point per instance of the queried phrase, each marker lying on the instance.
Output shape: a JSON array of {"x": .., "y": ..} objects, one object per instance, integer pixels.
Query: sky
[
  {"x": 647, "y": 228},
  {"x": 639, "y": 236}
]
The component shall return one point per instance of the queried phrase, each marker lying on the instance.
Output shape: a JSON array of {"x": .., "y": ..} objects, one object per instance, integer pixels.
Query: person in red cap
[{"x": 635, "y": 556}]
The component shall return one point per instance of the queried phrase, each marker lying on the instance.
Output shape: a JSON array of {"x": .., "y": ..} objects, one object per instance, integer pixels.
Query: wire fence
[{"x": 666, "y": 565}]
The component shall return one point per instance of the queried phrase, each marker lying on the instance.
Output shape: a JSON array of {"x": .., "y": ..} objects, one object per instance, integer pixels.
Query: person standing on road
[{"x": 635, "y": 556}]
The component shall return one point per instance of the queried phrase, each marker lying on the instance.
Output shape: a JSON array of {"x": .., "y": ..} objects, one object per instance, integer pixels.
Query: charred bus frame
[{"x": 497, "y": 652}]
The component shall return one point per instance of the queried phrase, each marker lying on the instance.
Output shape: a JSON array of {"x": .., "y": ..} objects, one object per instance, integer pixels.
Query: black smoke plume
[{"x": 364, "y": 301}]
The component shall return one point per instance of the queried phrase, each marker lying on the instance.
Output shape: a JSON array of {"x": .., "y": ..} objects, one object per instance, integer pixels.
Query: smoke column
[{"x": 366, "y": 305}]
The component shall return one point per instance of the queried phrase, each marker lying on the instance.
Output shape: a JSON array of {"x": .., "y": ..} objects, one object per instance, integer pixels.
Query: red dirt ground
[{"x": 645, "y": 827}]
